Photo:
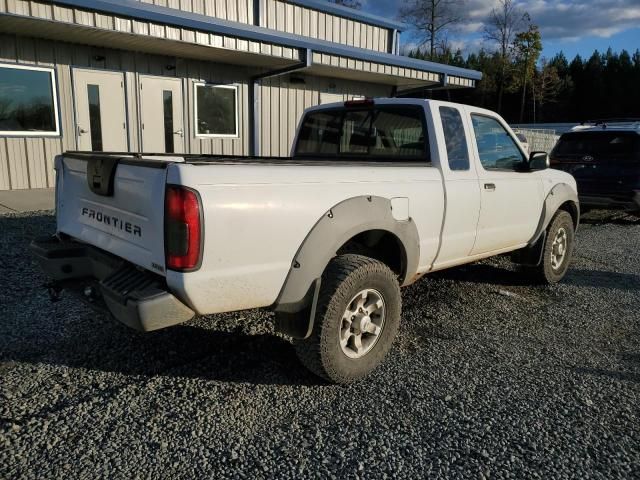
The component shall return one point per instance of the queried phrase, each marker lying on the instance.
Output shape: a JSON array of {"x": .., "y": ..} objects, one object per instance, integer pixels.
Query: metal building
[{"x": 196, "y": 76}]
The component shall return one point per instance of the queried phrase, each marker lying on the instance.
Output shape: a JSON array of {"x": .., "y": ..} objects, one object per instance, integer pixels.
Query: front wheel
[
  {"x": 558, "y": 250},
  {"x": 357, "y": 318}
]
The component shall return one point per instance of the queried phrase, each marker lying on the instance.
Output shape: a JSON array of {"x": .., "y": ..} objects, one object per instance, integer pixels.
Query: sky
[{"x": 571, "y": 26}]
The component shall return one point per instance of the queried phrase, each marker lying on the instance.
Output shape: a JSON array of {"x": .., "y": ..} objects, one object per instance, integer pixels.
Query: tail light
[
  {"x": 359, "y": 102},
  {"x": 183, "y": 229}
]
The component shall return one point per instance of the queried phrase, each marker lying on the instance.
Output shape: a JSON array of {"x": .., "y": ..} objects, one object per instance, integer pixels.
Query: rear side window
[
  {"x": 385, "y": 133},
  {"x": 497, "y": 150},
  {"x": 455, "y": 138},
  {"x": 600, "y": 145}
]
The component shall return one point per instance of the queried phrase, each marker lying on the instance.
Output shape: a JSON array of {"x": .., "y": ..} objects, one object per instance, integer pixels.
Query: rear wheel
[
  {"x": 557, "y": 251},
  {"x": 357, "y": 318}
]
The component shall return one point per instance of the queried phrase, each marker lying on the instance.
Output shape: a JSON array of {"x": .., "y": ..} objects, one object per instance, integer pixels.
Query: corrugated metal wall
[
  {"x": 234, "y": 10},
  {"x": 86, "y": 18},
  {"x": 285, "y": 17},
  {"x": 282, "y": 103},
  {"x": 27, "y": 162}
]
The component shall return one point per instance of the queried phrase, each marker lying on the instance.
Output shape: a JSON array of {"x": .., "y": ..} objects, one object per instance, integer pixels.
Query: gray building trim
[
  {"x": 254, "y": 98},
  {"x": 349, "y": 13},
  {"x": 170, "y": 16}
]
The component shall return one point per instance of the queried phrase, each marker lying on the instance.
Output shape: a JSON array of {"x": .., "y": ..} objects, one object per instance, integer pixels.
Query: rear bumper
[
  {"x": 135, "y": 297},
  {"x": 631, "y": 203}
]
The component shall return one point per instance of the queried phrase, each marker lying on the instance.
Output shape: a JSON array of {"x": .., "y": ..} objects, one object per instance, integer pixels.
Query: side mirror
[{"x": 538, "y": 161}]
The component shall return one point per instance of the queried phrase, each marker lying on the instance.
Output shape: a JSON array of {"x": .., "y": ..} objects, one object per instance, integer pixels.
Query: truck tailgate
[{"x": 126, "y": 217}]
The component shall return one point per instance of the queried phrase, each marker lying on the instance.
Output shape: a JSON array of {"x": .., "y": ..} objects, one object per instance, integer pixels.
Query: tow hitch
[{"x": 54, "y": 290}]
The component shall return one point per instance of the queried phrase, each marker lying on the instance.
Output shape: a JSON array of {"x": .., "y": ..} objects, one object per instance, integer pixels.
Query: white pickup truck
[{"x": 375, "y": 195}]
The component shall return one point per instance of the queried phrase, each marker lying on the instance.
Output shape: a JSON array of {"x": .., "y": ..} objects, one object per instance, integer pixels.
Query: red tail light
[
  {"x": 359, "y": 102},
  {"x": 182, "y": 229}
]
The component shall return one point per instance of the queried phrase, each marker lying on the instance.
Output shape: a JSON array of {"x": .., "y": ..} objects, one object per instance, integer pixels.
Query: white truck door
[
  {"x": 461, "y": 185},
  {"x": 511, "y": 200}
]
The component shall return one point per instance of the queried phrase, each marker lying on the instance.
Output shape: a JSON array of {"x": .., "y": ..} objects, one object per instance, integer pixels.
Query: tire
[
  {"x": 345, "y": 278},
  {"x": 550, "y": 269}
]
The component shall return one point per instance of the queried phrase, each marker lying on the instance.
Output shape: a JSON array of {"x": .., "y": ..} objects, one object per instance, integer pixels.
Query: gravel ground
[{"x": 488, "y": 378}]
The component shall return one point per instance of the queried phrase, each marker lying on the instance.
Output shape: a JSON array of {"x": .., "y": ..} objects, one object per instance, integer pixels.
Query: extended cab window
[
  {"x": 454, "y": 138},
  {"x": 385, "y": 133},
  {"x": 497, "y": 149}
]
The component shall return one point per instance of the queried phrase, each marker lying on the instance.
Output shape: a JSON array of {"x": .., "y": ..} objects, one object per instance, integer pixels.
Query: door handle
[
  {"x": 82, "y": 130},
  {"x": 490, "y": 186},
  {"x": 179, "y": 132}
]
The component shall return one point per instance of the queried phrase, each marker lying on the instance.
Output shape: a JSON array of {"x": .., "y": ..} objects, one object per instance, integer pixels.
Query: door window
[
  {"x": 497, "y": 149},
  {"x": 95, "y": 122},
  {"x": 167, "y": 105},
  {"x": 454, "y": 138}
]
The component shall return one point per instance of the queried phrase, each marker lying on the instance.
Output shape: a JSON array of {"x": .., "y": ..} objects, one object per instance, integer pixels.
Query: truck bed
[{"x": 162, "y": 159}]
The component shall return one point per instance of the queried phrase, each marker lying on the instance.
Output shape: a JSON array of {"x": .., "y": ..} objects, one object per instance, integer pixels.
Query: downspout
[{"x": 254, "y": 98}]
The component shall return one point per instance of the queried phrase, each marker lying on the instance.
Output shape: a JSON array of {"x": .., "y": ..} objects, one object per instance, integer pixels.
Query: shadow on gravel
[
  {"x": 483, "y": 273},
  {"x": 602, "y": 217},
  {"x": 630, "y": 374},
  {"x": 602, "y": 279},
  {"x": 182, "y": 351},
  {"x": 492, "y": 275}
]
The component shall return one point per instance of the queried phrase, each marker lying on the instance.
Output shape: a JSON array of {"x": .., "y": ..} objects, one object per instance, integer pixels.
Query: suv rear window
[
  {"x": 384, "y": 133},
  {"x": 599, "y": 144}
]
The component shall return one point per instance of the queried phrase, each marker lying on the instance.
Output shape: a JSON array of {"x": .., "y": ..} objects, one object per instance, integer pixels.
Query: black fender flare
[
  {"x": 336, "y": 227},
  {"x": 559, "y": 195}
]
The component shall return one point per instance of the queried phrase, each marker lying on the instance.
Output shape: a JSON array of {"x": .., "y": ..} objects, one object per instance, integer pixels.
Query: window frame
[
  {"x": 233, "y": 87},
  {"x": 506, "y": 129},
  {"x": 54, "y": 95},
  {"x": 367, "y": 158}
]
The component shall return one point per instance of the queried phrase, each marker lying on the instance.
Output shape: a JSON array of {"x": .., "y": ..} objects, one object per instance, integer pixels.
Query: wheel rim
[
  {"x": 559, "y": 248},
  {"x": 362, "y": 323}
]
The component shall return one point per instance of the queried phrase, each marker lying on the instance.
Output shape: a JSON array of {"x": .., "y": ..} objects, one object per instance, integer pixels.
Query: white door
[
  {"x": 461, "y": 183},
  {"x": 162, "y": 115},
  {"x": 511, "y": 199},
  {"x": 101, "y": 119}
]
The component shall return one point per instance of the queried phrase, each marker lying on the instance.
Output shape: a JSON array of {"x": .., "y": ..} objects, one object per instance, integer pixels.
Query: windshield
[
  {"x": 599, "y": 144},
  {"x": 385, "y": 133}
]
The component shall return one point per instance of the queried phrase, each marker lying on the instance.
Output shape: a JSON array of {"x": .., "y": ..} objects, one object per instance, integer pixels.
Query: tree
[
  {"x": 547, "y": 87},
  {"x": 501, "y": 26},
  {"x": 431, "y": 19},
  {"x": 356, "y": 4},
  {"x": 527, "y": 46}
]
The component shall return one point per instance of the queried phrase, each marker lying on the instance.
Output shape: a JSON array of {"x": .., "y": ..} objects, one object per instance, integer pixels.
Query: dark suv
[{"x": 604, "y": 158}]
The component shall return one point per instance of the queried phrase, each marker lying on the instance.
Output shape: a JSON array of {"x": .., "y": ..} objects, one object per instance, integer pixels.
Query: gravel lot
[{"x": 488, "y": 378}]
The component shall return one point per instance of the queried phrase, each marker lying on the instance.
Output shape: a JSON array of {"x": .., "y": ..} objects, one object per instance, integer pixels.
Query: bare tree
[
  {"x": 547, "y": 86},
  {"x": 504, "y": 21},
  {"x": 527, "y": 46},
  {"x": 431, "y": 19}
]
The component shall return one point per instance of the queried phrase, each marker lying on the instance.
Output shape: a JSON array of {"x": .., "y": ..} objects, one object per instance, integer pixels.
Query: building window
[
  {"x": 216, "y": 110},
  {"x": 28, "y": 101}
]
